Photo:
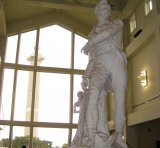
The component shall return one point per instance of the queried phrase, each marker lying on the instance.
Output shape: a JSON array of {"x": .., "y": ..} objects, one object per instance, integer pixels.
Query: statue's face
[{"x": 103, "y": 13}]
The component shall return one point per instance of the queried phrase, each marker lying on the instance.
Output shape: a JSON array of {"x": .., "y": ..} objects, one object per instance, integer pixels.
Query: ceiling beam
[
  {"x": 3, "y": 30},
  {"x": 60, "y": 4},
  {"x": 49, "y": 19},
  {"x": 63, "y": 4}
]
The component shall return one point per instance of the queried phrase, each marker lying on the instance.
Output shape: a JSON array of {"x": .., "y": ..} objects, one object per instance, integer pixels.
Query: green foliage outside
[
  {"x": 19, "y": 141},
  {"x": 65, "y": 146}
]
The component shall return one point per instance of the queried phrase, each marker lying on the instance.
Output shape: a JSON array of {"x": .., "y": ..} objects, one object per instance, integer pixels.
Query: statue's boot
[
  {"x": 89, "y": 143},
  {"x": 117, "y": 141}
]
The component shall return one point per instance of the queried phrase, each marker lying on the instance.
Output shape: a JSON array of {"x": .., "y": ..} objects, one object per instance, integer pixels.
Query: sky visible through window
[{"x": 52, "y": 95}]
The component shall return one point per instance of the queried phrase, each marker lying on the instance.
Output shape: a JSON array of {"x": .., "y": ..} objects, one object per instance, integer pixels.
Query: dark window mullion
[
  {"x": 14, "y": 92},
  {"x": 71, "y": 88},
  {"x": 34, "y": 88}
]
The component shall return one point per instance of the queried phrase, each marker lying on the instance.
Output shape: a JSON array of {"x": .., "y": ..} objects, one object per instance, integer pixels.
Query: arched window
[{"x": 41, "y": 75}]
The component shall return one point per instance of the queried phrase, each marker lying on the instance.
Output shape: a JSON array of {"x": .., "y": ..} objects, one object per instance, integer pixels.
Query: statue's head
[
  {"x": 103, "y": 9},
  {"x": 80, "y": 94}
]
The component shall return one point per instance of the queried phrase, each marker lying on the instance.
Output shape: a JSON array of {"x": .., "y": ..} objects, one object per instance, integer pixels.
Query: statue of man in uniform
[{"x": 106, "y": 71}]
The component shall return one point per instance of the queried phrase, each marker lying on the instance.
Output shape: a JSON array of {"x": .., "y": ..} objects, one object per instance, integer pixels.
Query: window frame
[
  {"x": 132, "y": 23},
  {"x": 35, "y": 69},
  {"x": 148, "y": 7}
]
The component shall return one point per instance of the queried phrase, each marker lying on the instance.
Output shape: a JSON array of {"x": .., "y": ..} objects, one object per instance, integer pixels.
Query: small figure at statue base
[{"x": 81, "y": 138}]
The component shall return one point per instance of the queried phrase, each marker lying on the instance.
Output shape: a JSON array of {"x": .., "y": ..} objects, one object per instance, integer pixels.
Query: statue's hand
[
  {"x": 85, "y": 49},
  {"x": 85, "y": 83},
  {"x": 76, "y": 104}
]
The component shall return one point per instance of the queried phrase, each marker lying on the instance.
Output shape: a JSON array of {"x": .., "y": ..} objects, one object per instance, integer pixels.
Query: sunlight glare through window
[
  {"x": 53, "y": 100},
  {"x": 80, "y": 59},
  {"x": 5, "y": 112},
  {"x": 58, "y": 137},
  {"x": 27, "y": 46},
  {"x": 23, "y": 97},
  {"x": 41, "y": 94},
  {"x": 11, "y": 49},
  {"x": 55, "y": 46}
]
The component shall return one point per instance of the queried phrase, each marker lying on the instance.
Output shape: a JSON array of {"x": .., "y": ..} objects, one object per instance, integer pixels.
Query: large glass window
[
  {"x": 52, "y": 97},
  {"x": 27, "y": 46},
  {"x": 4, "y": 136},
  {"x": 73, "y": 133},
  {"x": 37, "y": 97},
  {"x": 19, "y": 138},
  {"x": 23, "y": 97},
  {"x": 11, "y": 49},
  {"x": 57, "y": 137},
  {"x": 7, "y": 92},
  {"x": 80, "y": 59},
  {"x": 55, "y": 46}
]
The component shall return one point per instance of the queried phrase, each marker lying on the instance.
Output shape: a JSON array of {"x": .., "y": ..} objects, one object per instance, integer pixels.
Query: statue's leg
[
  {"x": 119, "y": 86},
  {"x": 102, "y": 126},
  {"x": 97, "y": 81}
]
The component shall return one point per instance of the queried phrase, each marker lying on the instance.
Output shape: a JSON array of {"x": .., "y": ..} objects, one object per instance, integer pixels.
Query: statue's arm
[
  {"x": 88, "y": 71},
  {"x": 116, "y": 27},
  {"x": 90, "y": 65}
]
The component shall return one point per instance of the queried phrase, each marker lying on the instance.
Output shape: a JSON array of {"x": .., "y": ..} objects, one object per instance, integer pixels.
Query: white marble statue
[{"x": 106, "y": 71}]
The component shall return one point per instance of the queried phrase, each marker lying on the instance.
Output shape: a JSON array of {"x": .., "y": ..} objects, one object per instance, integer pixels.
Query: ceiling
[{"x": 80, "y": 10}]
